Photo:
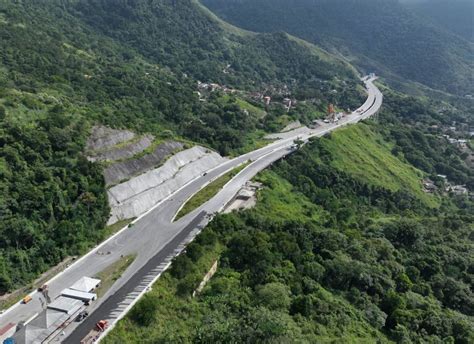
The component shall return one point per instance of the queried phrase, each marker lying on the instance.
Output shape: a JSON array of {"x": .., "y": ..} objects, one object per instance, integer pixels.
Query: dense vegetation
[
  {"x": 327, "y": 255},
  {"x": 60, "y": 73},
  {"x": 52, "y": 200},
  {"x": 199, "y": 45},
  {"x": 456, "y": 16},
  {"x": 379, "y": 35},
  {"x": 409, "y": 123}
]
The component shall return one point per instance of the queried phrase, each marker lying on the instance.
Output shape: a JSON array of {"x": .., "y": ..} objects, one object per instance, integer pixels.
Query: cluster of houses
[
  {"x": 264, "y": 97},
  {"x": 460, "y": 143},
  {"x": 461, "y": 131},
  {"x": 287, "y": 103},
  {"x": 430, "y": 187},
  {"x": 204, "y": 87}
]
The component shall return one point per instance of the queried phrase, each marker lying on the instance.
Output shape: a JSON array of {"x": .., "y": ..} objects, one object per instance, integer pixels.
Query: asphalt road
[{"x": 155, "y": 239}]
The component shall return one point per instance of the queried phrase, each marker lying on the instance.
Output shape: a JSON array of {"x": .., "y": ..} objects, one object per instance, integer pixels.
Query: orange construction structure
[{"x": 330, "y": 109}]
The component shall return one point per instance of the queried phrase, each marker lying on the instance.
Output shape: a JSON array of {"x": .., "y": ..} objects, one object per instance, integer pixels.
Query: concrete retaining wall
[
  {"x": 125, "y": 152},
  {"x": 104, "y": 137},
  {"x": 130, "y": 168},
  {"x": 139, "y": 194}
]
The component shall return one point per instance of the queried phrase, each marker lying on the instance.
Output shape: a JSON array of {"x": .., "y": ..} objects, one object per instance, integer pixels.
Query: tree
[
  {"x": 3, "y": 112},
  {"x": 302, "y": 304},
  {"x": 274, "y": 296},
  {"x": 144, "y": 312},
  {"x": 405, "y": 232},
  {"x": 188, "y": 285}
]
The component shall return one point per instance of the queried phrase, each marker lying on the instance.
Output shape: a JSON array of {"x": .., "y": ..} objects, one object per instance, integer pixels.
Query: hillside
[
  {"x": 456, "y": 16},
  {"x": 200, "y": 45},
  {"x": 379, "y": 35},
  {"x": 68, "y": 65}
]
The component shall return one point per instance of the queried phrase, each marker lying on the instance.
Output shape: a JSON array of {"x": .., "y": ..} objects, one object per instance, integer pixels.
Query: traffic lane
[
  {"x": 142, "y": 239},
  {"x": 228, "y": 192},
  {"x": 169, "y": 211},
  {"x": 110, "y": 304}
]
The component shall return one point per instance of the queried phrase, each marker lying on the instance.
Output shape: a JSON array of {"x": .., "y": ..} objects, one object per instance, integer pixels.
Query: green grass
[
  {"x": 253, "y": 141},
  {"x": 364, "y": 154},
  {"x": 208, "y": 192},
  {"x": 114, "y": 228},
  {"x": 244, "y": 105},
  {"x": 110, "y": 274},
  {"x": 252, "y": 109},
  {"x": 283, "y": 203}
]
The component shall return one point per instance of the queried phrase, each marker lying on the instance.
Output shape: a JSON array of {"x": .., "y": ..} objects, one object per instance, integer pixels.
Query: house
[
  {"x": 27, "y": 334},
  {"x": 429, "y": 186},
  {"x": 458, "y": 189},
  {"x": 462, "y": 143},
  {"x": 40, "y": 328}
]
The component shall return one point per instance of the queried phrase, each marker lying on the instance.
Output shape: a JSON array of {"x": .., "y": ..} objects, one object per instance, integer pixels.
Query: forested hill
[
  {"x": 186, "y": 37},
  {"x": 456, "y": 16},
  {"x": 67, "y": 65},
  {"x": 380, "y": 35}
]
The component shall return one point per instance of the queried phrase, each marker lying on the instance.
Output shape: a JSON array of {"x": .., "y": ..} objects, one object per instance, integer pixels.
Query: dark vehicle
[{"x": 82, "y": 316}]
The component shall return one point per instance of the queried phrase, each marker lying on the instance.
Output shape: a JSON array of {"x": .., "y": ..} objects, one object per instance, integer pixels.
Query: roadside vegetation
[
  {"x": 209, "y": 191},
  {"x": 117, "y": 226},
  {"x": 112, "y": 273},
  {"x": 362, "y": 152},
  {"x": 342, "y": 237}
]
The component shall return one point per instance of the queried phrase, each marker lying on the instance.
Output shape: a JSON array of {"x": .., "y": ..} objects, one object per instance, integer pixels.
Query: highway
[{"x": 156, "y": 239}]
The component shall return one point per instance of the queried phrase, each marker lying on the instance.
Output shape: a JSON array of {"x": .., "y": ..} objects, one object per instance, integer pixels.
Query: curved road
[{"x": 155, "y": 239}]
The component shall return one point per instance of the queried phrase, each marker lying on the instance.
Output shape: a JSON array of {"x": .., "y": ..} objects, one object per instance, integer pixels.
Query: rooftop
[{"x": 86, "y": 284}]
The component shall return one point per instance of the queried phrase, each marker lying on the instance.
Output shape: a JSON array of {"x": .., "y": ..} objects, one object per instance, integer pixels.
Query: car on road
[
  {"x": 27, "y": 299},
  {"x": 82, "y": 316},
  {"x": 326, "y": 121}
]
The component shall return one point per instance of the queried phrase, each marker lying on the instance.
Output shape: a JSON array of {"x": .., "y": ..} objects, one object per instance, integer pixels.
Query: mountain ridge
[{"x": 390, "y": 35}]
